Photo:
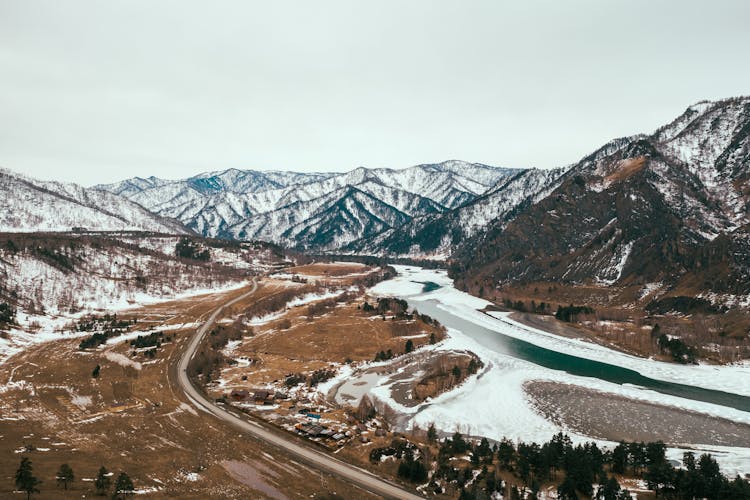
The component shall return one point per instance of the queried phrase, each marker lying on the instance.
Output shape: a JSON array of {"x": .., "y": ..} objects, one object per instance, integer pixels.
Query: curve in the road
[{"x": 318, "y": 459}]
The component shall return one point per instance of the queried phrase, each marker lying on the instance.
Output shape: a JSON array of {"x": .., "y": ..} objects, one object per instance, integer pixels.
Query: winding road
[{"x": 307, "y": 454}]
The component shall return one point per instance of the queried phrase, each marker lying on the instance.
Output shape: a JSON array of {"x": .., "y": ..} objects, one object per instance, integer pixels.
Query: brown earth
[
  {"x": 621, "y": 321},
  {"x": 131, "y": 420}
]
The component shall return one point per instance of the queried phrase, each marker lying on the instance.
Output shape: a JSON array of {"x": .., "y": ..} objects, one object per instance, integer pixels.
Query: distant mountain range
[
  {"x": 669, "y": 207},
  {"x": 317, "y": 211},
  {"x": 29, "y": 205}
]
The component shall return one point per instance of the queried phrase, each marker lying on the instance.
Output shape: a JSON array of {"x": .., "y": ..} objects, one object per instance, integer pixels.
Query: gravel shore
[{"x": 615, "y": 418}]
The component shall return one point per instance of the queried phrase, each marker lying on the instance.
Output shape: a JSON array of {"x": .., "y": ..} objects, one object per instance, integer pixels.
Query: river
[
  {"x": 574, "y": 365},
  {"x": 534, "y": 383}
]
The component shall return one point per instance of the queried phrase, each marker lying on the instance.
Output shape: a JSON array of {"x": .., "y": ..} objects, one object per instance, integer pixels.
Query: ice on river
[{"x": 495, "y": 398}]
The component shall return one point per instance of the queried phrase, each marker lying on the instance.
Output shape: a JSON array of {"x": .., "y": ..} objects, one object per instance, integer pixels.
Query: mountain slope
[
  {"x": 28, "y": 204},
  {"x": 324, "y": 223},
  {"x": 670, "y": 208},
  {"x": 438, "y": 234}
]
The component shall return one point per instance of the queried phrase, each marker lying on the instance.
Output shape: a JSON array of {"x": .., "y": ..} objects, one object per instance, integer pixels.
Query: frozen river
[{"x": 515, "y": 355}]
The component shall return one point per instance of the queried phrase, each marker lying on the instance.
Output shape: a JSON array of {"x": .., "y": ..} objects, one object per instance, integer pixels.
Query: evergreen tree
[
  {"x": 567, "y": 490},
  {"x": 620, "y": 458},
  {"x": 609, "y": 490},
  {"x": 658, "y": 471},
  {"x": 65, "y": 475},
  {"x": 96, "y": 371},
  {"x": 458, "y": 445},
  {"x": 409, "y": 346},
  {"x": 123, "y": 485},
  {"x": 102, "y": 481},
  {"x": 506, "y": 453},
  {"x": 432, "y": 433},
  {"x": 484, "y": 448},
  {"x": 25, "y": 480}
]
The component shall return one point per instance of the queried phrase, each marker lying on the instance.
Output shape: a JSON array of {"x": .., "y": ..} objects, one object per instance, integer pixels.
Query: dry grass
[
  {"x": 134, "y": 421},
  {"x": 627, "y": 168},
  {"x": 622, "y": 322},
  {"x": 332, "y": 269}
]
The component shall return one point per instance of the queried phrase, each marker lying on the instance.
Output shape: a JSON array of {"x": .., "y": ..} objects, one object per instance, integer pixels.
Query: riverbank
[
  {"x": 591, "y": 412},
  {"x": 500, "y": 407}
]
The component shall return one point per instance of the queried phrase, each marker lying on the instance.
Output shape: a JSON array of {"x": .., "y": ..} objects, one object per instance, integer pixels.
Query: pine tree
[
  {"x": 25, "y": 480},
  {"x": 102, "y": 481},
  {"x": 432, "y": 433},
  {"x": 609, "y": 490},
  {"x": 409, "y": 346},
  {"x": 123, "y": 485},
  {"x": 65, "y": 475},
  {"x": 567, "y": 490},
  {"x": 95, "y": 373}
]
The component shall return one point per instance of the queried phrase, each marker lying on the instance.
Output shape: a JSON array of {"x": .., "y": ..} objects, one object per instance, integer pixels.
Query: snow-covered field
[
  {"x": 495, "y": 397},
  {"x": 51, "y": 327}
]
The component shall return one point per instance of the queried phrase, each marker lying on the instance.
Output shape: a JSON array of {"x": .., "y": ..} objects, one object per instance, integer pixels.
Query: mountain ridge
[
  {"x": 647, "y": 208},
  {"x": 233, "y": 203},
  {"x": 30, "y": 205}
]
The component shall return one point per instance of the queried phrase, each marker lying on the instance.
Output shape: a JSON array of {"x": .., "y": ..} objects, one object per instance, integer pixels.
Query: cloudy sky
[{"x": 98, "y": 91}]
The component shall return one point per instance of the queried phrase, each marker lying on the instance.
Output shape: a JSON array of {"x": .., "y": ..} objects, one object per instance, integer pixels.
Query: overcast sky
[{"x": 103, "y": 90}]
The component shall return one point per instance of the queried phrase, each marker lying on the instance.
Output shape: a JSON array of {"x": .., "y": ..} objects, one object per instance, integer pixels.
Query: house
[
  {"x": 263, "y": 397},
  {"x": 314, "y": 430},
  {"x": 239, "y": 395}
]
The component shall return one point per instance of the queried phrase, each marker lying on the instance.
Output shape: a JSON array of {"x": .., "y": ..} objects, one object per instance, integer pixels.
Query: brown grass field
[{"x": 134, "y": 420}]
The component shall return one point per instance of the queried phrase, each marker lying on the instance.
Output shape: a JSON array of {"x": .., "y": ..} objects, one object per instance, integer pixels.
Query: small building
[
  {"x": 239, "y": 394},
  {"x": 263, "y": 396},
  {"x": 315, "y": 430}
]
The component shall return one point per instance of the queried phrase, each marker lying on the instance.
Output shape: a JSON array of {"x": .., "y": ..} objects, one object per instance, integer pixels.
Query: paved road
[{"x": 318, "y": 459}]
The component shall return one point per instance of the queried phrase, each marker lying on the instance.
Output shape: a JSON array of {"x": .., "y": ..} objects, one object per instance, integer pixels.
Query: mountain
[
  {"x": 311, "y": 211},
  {"x": 437, "y": 235},
  {"x": 28, "y": 205},
  {"x": 328, "y": 222},
  {"x": 668, "y": 209}
]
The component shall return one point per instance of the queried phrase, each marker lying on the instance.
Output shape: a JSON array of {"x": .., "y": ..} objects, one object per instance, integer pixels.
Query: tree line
[
  {"x": 581, "y": 467},
  {"x": 29, "y": 484}
]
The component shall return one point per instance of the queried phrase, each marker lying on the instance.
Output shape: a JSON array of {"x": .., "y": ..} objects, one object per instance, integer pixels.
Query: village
[
  {"x": 280, "y": 365},
  {"x": 315, "y": 422}
]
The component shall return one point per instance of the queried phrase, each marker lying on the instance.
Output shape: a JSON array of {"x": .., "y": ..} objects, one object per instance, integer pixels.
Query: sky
[{"x": 95, "y": 92}]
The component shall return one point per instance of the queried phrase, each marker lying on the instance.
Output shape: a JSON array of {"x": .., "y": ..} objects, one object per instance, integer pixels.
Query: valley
[
  {"x": 320, "y": 353},
  {"x": 247, "y": 333},
  {"x": 374, "y": 250}
]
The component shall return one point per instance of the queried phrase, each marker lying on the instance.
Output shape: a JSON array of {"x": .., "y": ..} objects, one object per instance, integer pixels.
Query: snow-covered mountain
[
  {"x": 321, "y": 211},
  {"x": 28, "y": 205},
  {"x": 437, "y": 235},
  {"x": 672, "y": 207}
]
